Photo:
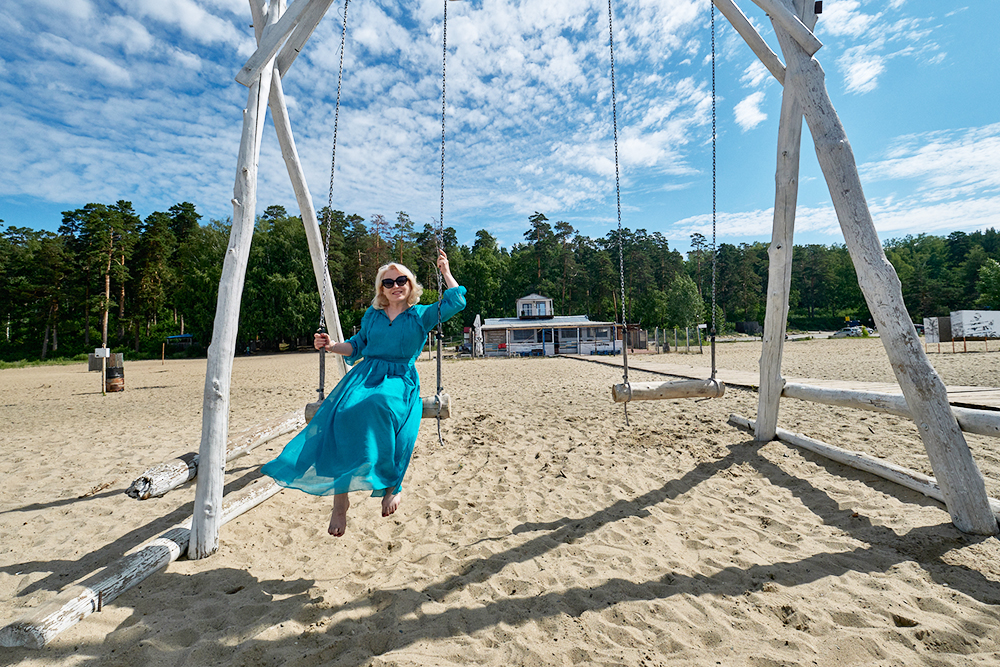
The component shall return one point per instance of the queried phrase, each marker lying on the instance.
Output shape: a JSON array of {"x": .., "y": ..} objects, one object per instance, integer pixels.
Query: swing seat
[
  {"x": 653, "y": 391},
  {"x": 429, "y": 409}
]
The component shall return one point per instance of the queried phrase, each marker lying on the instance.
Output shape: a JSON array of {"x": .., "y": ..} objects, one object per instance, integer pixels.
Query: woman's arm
[
  {"x": 322, "y": 340},
  {"x": 445, "y": 269}
]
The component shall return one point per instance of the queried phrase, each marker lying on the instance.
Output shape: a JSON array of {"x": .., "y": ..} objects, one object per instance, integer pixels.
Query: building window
[
  {"x": 525, "y": 310},
  {"x": 541, "y": 309},
  {"x": 522, "y": 335}
]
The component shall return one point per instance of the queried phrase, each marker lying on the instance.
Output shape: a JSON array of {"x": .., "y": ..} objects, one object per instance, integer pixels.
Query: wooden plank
[
  {"x": 956, "y": 471},
  {"x": 980, "y": 422},
  {"x": 81, "y": 600},
  {"x": 985, "y": 398},
  {"x": 753, "y": 39}
]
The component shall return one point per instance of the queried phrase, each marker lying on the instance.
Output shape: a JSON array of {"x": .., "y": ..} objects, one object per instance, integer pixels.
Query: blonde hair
[{"x": 380, "y": 302}]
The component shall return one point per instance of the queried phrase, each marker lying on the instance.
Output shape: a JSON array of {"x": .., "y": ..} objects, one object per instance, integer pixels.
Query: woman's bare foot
[
  {"x": 338, "y": 518},
  {"x": 390, "y": 502}
]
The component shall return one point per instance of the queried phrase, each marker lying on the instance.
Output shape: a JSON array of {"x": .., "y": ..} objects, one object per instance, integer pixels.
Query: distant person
[{"x": 362, "y": 436}]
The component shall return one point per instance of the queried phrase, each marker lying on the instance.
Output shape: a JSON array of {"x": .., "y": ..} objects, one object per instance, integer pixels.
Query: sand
[{"x": 544, "y": 532}]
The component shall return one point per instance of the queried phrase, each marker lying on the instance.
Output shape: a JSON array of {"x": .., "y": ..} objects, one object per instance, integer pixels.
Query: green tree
[
  {"x": 684, "y": 306},
  {"x": 989, "y": 285}
]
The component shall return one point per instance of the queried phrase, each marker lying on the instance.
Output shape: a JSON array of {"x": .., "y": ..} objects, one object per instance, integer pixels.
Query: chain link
[
  {"x": 440, "y": 234},
  {"x": 714, "y": 179},
  {"x": 618, "y": 201},
  {"x": 328, "y": 213}
]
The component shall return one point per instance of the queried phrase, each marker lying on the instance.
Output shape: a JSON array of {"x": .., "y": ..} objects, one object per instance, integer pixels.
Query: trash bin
[{"x": 114, "y": 380}]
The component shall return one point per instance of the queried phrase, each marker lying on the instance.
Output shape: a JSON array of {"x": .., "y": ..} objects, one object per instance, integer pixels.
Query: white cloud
[
  {"x": 747, "y": 111},
  {"x": 102, "y": 68},
  {"x": 945, "y": 164},
  {"x": 755, "y": 75},
  {"x": 861, "y": 70},
  {"x": 842, "y": 18}
]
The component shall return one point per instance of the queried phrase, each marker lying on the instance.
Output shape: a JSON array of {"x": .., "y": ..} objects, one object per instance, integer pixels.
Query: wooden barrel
[{"x": 115, "y": 379}]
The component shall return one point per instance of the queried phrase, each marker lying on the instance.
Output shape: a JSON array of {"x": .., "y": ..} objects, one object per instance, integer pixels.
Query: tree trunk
[
  {"x": 86, "y": 313},
  {"x": 121, "y": 303},
  {"x": 107, "y": 297},
  {"x": 55, "y": 326},
  {"x": 45, "y": 339}
]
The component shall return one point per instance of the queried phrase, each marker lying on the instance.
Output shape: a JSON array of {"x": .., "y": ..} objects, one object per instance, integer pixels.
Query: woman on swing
[{"x": 362, "y": 436}]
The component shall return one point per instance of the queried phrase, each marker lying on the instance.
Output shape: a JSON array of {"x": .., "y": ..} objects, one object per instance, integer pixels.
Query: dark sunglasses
[{"x": 389, "y": 282}]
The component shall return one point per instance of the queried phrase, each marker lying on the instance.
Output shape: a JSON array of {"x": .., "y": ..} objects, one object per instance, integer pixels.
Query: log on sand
[
  {"x": 911, "y": 479},
  {"x": 163, "y": 478},
  {"x": 81, "y": 600}
]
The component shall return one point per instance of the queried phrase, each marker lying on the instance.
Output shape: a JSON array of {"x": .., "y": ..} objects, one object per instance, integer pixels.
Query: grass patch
[{"x": 59, "y": 361}]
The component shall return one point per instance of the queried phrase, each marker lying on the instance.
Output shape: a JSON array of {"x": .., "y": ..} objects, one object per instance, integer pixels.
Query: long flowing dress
[{"x": 363, "y": 434}]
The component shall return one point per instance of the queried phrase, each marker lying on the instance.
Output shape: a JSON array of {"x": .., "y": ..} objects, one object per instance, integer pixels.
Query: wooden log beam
[
  {"x": 960, "y": 479},
  {"x": 654, "y": 391},
  {"x": 271, "y": 39},
  {"x": 218, "y": 376},
  {"x": 779, "y": 277},
  {"x": 310, "y": 18},
  {"x": 792, "y": 24},
  {"x": 980, "y": 422},
  {"x": 910, "y": 479},
  {"x": 165, "y": 477},
  {"x": 81, "y": 600},
  {"x": 739, "y": 21},
  {"x": 314, "y": 235}
]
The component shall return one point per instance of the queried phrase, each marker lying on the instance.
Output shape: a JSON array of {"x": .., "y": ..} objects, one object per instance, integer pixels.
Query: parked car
[
  {"x": 848, "y": 332},
  {"x": 464, "y": 348}
]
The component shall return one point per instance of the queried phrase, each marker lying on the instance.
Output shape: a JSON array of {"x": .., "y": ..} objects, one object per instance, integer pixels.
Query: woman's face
[{"x": 397, "y": 294}]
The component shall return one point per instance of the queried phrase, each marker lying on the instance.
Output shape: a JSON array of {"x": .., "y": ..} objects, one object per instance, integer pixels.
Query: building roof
[
  {"x": 535, "y": 297},
  {"x": 558, "y": 322}
]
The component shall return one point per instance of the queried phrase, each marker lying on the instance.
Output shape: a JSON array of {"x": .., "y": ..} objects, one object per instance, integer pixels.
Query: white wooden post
[
  {"x": 283, "y": 128},
  {"x": 961, "y": 482},
  {"x": 215, "y": 407},
  {"x": 779, "y": 278}
]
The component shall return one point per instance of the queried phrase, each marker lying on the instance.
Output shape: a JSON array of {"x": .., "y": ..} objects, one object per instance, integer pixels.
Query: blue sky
[{"x": 103, "y": 100}]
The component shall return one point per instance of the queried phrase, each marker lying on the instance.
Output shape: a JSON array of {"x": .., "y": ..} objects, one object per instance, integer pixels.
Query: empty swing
[
  {"x": 650, "y": 391},
  {"x": 437, "y": 406}
]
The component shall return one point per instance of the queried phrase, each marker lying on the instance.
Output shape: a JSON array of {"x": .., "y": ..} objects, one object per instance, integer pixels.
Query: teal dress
[{"x": 363, "y": 434}]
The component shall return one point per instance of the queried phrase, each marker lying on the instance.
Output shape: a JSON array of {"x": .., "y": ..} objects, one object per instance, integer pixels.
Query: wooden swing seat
[{"x": 654, "y": 391}]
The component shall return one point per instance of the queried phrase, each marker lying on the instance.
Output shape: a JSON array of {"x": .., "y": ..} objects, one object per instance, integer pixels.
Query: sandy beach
[{"x": 544, "y": 532}]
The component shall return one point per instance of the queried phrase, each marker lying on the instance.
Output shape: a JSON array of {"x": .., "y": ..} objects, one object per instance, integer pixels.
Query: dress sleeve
[
  {"x": 359, "y": 341},
  {"x": 452, "y": 302}
]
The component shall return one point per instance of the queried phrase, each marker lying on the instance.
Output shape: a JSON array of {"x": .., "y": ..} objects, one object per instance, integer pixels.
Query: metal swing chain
[
  {"x": 328, "y": 214},
  {"x": 440, "y": 235},
  {"x": 618, "y": 200},
  {"x": 714, "y": 142}
]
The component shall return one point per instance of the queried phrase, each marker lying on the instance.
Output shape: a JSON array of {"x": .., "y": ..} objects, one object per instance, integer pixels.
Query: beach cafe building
[{"x": 536, "y": 331}]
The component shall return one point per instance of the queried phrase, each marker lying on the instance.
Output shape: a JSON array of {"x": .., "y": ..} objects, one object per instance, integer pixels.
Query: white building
[{"x": 537, "y": 331}]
